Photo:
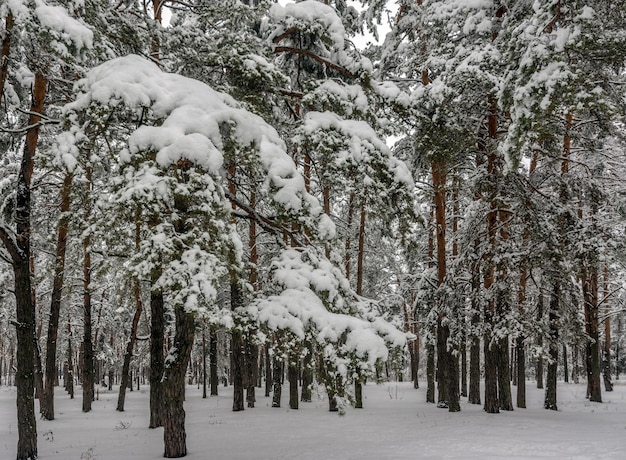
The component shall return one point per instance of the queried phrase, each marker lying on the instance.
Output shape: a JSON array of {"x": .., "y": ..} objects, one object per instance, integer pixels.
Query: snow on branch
[
  {"x": 315, "y": 302},
  {"x": 68, "y": 29},
  {"x": 194, "y": 118}
]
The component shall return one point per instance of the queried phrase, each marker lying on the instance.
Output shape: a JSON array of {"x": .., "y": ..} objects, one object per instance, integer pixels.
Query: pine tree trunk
[
  {"x": 204, "y": 385},
  {"x": 88, "y": 355},
  {"x": 539, "y": 365},
  {"x": 590, "y": 295},
  {"x": 237, "y": 361},
  {"x": 521, "y": 372},
  {"x": 492, "y": 403},
  {"x": 463, "y": 352},
  {"x": 174, "y": 434},
  {"x": 19, "y": 250},
  {"x": 430, "y": 373},
  {"x": 268, "y": 372},
  {"x": 213, "y": 362},
  {"x": 46, "y": 402},
  {"x": 252, "y": 366},
  {"x": 157, "y": 360},
  {"x": 126, "y": 378},
  {"x": 70, "y": 370},
  {"x": 504, "y": 375},
  {"x": 292, "y": 374},
  {"x": 550, "y": 401},
  {"x": 565, "y": 369},
  {"x": 307, "y": 375},
  {"x": 474, "y": 380},
  {"x": 277, "y": 373}
]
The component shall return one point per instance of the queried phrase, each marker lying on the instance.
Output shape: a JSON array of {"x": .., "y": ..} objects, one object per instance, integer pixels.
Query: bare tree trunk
[
  {"x": 590, "y": 294},
  {"x": 157, "y": 360},
  {"x": 430, "y": 347},
  {"x": 504, "y": 375},
  {"x": 550, "y": 401},
  {"x": 174, "y": 434},
  {"x": 88, "y": 355},
  {"x": 268, "y": 372},
  {"x": 19, "y": 251},
  {"x": 307, "y": 375},
  {"x": 129, "y": 348},
  {"x": 606, "y": 352},
  {"x": 521, "y": 372},
  {"x": 237, "y": 350},
  {"x": 277, "y": 373},
  {"x": 358, "y": 388},
  {"x": 46, "y": 402},
  {"x": 292, "y": 374},
  {"x": 213, "y": 362},
  {"x": 430, "y": 373}
]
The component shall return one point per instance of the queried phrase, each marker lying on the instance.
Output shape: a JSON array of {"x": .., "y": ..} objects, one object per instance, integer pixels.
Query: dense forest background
[{"x": 213, "y": 197}]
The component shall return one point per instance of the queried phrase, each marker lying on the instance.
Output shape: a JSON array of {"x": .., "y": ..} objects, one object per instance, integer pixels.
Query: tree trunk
[
  {"x": 550, "y": 401},
  {"x": 539, "y": 365},
  {"x": 268, "y": 372},
  {"x": 213, "y": 362},
  {"x": 69, "y": 383},
  {"x": 88, "y": 355},
  {"x": 492, "y": 403},
  {"x": 590, "y": 295},
  {"x": 504, "y": 375},
  {"x": 521, "y": 373},
  {"x": 430, "y": 373},
  {"x": 174, "y": 435},
  {"x": 237, "y": 351},
  {"x": 448, "y": 374},
  {"x": 46, "y": 402},
  {"x": 565, "y": 369},
  {"x": 19, "y": 250},
  {"x": 606, "y": 353},
  {"x": 157, "y": 360},
  {"x": 292, "y": 374},
  {"x": 307, "y": 375},
  {"x": 277, "y": 373},
  {"x": 204, "y": 386},
  {"x": 129, "y": 349},
  {"x": 252, "y": 352}
]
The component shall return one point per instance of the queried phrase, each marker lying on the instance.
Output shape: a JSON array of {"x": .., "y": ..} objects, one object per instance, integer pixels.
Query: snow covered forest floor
[{"x": 396, "y": 423}]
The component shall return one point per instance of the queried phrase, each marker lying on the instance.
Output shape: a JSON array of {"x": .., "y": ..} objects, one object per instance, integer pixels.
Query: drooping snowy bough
[{"x": 314, "y": 303}]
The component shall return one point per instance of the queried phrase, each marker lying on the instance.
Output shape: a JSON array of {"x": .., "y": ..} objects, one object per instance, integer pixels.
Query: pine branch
[
  {"x": 342, "y": 70},
  {"x": 266, "y": 223}
]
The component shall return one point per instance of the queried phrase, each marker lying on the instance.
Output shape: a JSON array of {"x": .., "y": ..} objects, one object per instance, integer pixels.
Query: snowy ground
[{"x": 395, "y": 424}]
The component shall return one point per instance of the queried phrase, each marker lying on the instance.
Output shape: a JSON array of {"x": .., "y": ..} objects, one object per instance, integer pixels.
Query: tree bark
[
  {"x": 237, "y": 351},
  {"x": 504, "y": 375},
  {"x": 521, "y": 372},
  {"x": 19, "y": 250},
  {"x": 157, "y": 360},
  {"x": 174, "y": 434},
  {"x": 46, "y": 402},
  {"x": 590, "y": 295},
  {"x": 550, "y": 401},
  {"x": 129, "y": 349},
  {"x": 88, "y": 355},
  {"x": 277, "y": 373},
  {"x": 292, "y": 374},
  {"x": 213, "y": 362},
  {"x": 307, "y": 375},
  {"x": 430, "y": 373}
]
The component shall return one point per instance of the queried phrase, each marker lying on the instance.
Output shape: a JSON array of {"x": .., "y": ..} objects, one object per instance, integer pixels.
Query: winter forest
[{"x": 248, "y": 196}]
